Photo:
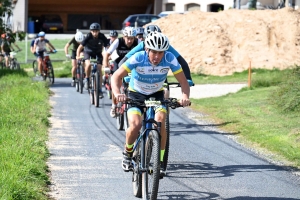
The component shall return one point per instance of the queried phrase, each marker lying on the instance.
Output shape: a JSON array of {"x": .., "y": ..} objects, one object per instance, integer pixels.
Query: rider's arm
[
  {"x": 109, "y": 51},
  {"x": 185, "y": 88},
  {"x": 122, "y": 61},
  {"x": 52, "y": 47},
  {"x": 182, "y": 62},
  {"x": 17, "y": 46},
  {"x": 115, "y": 83},
  {"x": 79, "y": 49},
  {"x": 66, "y": 48}
]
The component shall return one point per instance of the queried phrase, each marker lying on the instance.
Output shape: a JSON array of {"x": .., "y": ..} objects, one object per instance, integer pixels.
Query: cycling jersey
[
  {"x": 6, "y": 46},
  {"x": 40, "y": 44},
  {"x": 146, "y": 78},
  {"x": 94, "y": 45},
  {"x": 121, "y": 48},
  {"x": 75, "y": 44},
  {"x": 141, "y": 47}
]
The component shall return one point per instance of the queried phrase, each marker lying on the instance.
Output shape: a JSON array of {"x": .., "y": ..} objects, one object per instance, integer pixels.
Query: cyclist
[
  {"x": 122, "y": 45},
  {"x": 148, "y": 69},
  {"x": 39, "y": 47},
  {"x": 6, "y": 46},
  {"x": 141, "y": 47},
  {"x": 76, "y": 40},
  {"x": 92, "y": 46},
  {"x": 140, "y": 33}
]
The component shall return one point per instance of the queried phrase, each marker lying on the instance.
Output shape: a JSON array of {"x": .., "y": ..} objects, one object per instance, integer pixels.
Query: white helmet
[
  {"x": 79, "y": 36},
  {"x": 129, "y": 31},
  {"x": 157, "y": 41}
]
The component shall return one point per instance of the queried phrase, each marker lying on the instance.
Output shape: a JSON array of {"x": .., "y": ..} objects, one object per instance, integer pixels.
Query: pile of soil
[{"x": 225, "y": 42}]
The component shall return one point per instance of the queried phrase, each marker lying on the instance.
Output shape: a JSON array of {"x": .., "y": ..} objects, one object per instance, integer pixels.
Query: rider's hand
[
  {"x": 185, "y": 102},
  {"x": 121, "y": 97},
  {"x": 68, "y": 56}
]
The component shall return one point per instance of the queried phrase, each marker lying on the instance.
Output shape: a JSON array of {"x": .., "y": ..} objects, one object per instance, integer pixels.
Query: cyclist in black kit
[
  {"x": 122, "y": 45},
  {"x": 93, "y": 45}
]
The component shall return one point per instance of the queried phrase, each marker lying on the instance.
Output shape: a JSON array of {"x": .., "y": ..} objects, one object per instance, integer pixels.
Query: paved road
[{"x": 86, "y": 148}]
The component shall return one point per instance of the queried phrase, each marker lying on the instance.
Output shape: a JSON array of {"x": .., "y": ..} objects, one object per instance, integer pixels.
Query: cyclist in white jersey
[{"x": 148, "y": 69}]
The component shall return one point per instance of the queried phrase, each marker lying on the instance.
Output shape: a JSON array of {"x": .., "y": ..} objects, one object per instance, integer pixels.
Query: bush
[{"x": 287, "y": 96}]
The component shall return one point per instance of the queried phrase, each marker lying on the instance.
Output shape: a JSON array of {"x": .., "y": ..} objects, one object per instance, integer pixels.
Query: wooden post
[{"x": 249, "y": 74}]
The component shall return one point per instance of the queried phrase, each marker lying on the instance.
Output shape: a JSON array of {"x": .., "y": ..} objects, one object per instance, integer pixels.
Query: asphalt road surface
[{"x": 86, "y": 153}]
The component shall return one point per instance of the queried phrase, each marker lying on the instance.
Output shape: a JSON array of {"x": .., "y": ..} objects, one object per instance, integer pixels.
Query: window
[
  {"x": 170, "y": 6},
  {"x": 192, "y": 6}
]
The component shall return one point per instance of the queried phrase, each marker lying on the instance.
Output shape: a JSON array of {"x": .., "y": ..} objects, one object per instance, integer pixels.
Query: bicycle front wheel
[
  {"x": 120, "y": 116},
  {"x": 50, "y": 73},
  {"x": 97, "y": 88},
  {"x": 150, "y": 178},
  {"x": 35, "y": 68},
  {"x": 81, "y": 77},
  {"x": 137, "y": 176},
  {"x": 166, "y": 156}
]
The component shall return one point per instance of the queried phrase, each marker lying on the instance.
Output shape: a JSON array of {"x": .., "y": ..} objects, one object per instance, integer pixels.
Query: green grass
[
  {"x": 24, "y": 123},
  {"x": 58, "y": 44},
  {"x": 253, "y": 114}
]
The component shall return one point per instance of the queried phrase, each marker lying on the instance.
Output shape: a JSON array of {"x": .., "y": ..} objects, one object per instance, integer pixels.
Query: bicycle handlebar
[{"x": 170, "y": 102}]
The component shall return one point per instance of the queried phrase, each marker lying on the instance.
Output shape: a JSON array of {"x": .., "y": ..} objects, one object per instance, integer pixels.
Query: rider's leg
[
  {"x": 73, "y": 71},
  {"x": 160, "y": 116},
  {"x": 39, "y": 59},
  {"x": 6, "y": 60}
]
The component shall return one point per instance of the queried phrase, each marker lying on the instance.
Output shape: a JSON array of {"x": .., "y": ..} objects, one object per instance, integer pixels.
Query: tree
[{"x": 6, "y": 13}]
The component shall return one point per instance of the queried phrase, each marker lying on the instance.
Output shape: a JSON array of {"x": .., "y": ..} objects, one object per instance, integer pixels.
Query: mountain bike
[
  {"x": 146, "y": 150},
  {"x": 48, "y": 71},
  {"x": 94, "y": 87},
  {"x": 12, "y": 61},
  {"x": 80, "y": 75}
]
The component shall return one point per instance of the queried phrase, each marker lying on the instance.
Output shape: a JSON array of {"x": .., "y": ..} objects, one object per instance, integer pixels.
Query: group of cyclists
[{"x": 145, "y": 53}]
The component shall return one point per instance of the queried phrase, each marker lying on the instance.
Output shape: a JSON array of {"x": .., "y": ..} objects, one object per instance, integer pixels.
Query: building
[{"x": 110, "y": 14}]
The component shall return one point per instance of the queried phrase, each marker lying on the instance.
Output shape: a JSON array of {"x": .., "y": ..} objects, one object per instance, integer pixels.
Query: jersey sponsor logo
[
  {"x": 164, "y": 70},
  {"x": 140, "y": 70},
  {"x": 153, "y": 70},
  {"x": 123, "y": 51}
]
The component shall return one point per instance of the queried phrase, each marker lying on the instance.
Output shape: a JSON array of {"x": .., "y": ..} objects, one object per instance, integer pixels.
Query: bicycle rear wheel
[
  {"x": 91, "y": 90},
  {"x": 150, "y": 178},
  {"x": 97, "y": 88},
  {"x": 137, "y": 176}
]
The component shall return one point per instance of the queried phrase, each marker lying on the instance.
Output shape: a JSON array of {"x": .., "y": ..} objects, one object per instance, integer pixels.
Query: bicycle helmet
[
  {"x": 79, "y": 36},
  {"x": 139, "y": 30},
  {"x": 157, "y": 41},
  {"x": 129, "y": 31},
  {"x": 113, "y": 33},
  {"x": 41, "y": 34},
  {"x": 95, "y": 26},
  {"x": 150, "y": 29}
]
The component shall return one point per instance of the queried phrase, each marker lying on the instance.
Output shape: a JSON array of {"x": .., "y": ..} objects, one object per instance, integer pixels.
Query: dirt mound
[{"x": 224, "y": 42}]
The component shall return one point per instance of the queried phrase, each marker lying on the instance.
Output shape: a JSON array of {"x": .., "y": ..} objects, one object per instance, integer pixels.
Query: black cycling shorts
[{"x": 88, "y": 55}]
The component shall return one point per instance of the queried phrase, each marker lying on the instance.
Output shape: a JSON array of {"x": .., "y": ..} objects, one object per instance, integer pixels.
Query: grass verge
[{"x": 23, "y": 126}]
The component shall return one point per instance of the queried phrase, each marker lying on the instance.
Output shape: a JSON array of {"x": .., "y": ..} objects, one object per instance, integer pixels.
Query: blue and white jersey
[
  {"x": 148, "y": 79},
  {"x": 40, "y": 44}
]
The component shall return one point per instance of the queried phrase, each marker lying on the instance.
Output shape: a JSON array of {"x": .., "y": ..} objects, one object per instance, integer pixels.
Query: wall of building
[
  {"x": 19, "y": 18},
  {"x": 112, "y": 12}
]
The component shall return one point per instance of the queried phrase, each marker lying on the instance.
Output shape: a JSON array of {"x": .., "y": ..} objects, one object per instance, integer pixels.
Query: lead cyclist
[{"x": 149, "y": 69}]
